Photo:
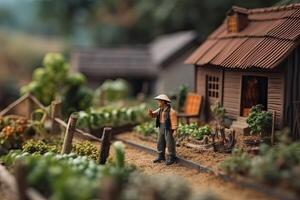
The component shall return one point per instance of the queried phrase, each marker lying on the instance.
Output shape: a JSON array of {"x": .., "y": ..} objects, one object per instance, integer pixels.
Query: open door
[{"x": 254, "y": 91}]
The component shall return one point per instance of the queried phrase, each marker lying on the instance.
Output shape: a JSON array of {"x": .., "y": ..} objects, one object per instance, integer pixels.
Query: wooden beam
[{"x": 13, "y": 105}]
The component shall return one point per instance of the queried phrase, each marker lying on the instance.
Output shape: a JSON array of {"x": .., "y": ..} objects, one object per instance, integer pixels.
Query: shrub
[
  {"x": 218, "y": 112},
  {"x": 39, "y": 146},
  {"x": 193, "y": 130},
  {"x": 53, "y": 81},
  {"x": 238, "y": 163},
  {"x": 259, "y": 120},
  {"x": 86, "y": 148},
  {"x": 146, "y": 129}
]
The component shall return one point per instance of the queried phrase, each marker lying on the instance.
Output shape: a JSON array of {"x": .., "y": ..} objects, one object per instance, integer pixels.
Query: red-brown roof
[{"x": 271, "y": 34}]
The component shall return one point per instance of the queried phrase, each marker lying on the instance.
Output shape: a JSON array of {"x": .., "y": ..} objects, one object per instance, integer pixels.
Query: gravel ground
[
  {"x": 199, "y": 181},
  {"x": 207, "y": 158}
]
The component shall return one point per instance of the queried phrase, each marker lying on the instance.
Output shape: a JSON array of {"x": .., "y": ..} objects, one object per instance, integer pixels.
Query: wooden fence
[{"x": 17, "y": 185}]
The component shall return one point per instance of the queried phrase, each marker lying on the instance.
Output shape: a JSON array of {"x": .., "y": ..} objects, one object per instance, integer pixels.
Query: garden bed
[{"x": 115, "y": 131}]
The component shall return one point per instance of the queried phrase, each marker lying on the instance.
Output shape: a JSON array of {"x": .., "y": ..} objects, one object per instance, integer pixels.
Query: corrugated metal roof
[{"x": 270, "y": 35}]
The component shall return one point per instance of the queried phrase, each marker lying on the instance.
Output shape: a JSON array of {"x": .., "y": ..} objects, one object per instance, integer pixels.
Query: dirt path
[
  {"x": 206, "y": 158},
  {"x": 199, "y": 181}
]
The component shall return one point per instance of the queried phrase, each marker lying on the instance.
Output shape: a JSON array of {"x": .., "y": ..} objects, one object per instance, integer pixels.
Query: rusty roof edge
[
  {"x": 275, "y": 65},
  {"x": 194, "y": 63},
  {"x": 250, "y": 36},
  {"x": 274, "y": 8}
]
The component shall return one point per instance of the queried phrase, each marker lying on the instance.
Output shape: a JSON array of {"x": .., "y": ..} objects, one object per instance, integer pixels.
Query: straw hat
[{"x": 163, "y": 97}]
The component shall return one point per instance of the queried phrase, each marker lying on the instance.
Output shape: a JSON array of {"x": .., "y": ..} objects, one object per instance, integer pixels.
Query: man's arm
[{"x": 153, "y": 114}]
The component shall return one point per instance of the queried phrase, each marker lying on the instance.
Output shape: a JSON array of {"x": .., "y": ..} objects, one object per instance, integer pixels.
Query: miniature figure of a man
[{"x": 166, "y": 121}]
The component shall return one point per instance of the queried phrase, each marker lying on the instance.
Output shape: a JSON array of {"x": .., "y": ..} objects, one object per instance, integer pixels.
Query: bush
[
  {"x": 68, "y": 176},
  {"x": 193, "y": 130},
  {"x": 39, "y": 146},
  {"x": 259, "y": 120},
  {"x": 53, "y": 81},
  {"x": 86, "y": 148},
  {"x": 146, "y": 129},
  {"x": 274, "y": 165},
  {"x": 218, "y": 112},
  {"x": 238, "y": 163},
  {"x": 112, "y": 90}
]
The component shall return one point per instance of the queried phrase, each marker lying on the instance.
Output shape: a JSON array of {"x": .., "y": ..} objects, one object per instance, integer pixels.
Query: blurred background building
[{"x": 153, "y": 34}]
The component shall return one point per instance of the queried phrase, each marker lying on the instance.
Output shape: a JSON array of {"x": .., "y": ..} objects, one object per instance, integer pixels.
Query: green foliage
[
  {"x": 193, "y": 130},
  {"x": 259, "y": 120},
  {"x": 108, "y": 116},
  {"x": 146, "y": 129},
  {"x": 183, "y": 90},
  {"x": 86, "y": 148},
  {"x": 39, "y": 146},
  {"x": 218, "y": 111},
  {"x": 274, "y": 165},
  {"x": 119, "y": 149},
  {"x": 53, "y": 81},
  {"x": 113, "y": 90},
  {"x": 68, "y": 176},
  {"x": 238, "y": 163},
  {"x": 46, "y": 80}
]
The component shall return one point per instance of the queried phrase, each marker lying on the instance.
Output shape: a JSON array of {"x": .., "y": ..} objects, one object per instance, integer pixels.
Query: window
[{"x": 213, "y": 86}]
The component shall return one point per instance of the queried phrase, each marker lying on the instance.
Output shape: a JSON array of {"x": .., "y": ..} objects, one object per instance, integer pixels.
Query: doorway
[{"x": 254, "y": 91}]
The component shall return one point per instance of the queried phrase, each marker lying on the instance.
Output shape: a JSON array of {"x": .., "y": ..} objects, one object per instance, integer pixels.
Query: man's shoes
[
  {"x": 160, "y": 157},
  {"x": 171, "y": 160}
]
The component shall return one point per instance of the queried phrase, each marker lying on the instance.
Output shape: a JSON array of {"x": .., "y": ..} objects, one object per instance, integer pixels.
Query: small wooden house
[{"x": 252, "y": 58}]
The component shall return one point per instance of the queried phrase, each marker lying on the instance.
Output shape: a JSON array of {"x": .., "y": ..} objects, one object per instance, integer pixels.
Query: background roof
[
  {"x": 114, "y": 62},
  {"x": 165, "y": 46}
]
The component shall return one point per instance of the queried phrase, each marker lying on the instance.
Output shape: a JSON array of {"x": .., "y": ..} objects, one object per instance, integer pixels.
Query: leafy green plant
[
  {"x": 201, "y": 132},
  {"x": 108, "y": 116},
  {"x": 259, "y": 120},
  {"x": 146, "y": 129},
  {"x": 183, "y": 90},
  {"x": 193, "y": 130},
  {"x": 218, "y": 112},
  {"x": 238, "y": 163},
  {"x": 111, "y": 91},
  {"x": 86, "y": 148},
  {"x": 69, "y": 176},
  {"x": 53, "y": 81},
  {"x": 39, "y": 146},
  {"x": 274, "y": 164}
]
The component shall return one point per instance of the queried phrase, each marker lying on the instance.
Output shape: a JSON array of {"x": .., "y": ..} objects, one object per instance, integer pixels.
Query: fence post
[
  {"x": 55, "y": 112},
  {"x": 105, "y": 145},
  {"x": 67, "y": 145},
  {"x": 30, "y": 107},
  {"x": 273, "y": 128},
  {"x": 21, "y": 181}
]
